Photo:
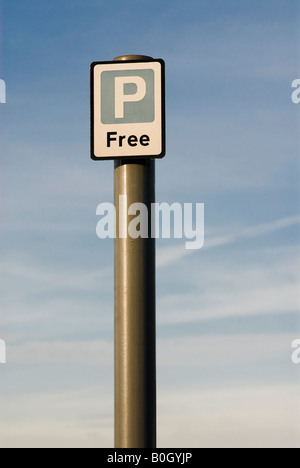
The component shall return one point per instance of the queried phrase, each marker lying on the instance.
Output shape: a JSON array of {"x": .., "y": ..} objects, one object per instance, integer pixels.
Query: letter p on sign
[
  {"x": 128, "y": 102},
  {"x": 121, "y": 97}
]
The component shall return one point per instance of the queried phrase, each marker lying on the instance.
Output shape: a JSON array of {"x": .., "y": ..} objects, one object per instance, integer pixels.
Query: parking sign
[{"x": 127, "y": 109}]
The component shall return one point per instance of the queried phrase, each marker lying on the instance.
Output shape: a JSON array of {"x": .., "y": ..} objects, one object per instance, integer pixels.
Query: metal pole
[{"x": 135, "y": 329}]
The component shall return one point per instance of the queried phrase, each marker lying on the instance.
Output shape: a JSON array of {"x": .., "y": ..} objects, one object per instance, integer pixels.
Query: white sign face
[{"x": 127, "y": 110}]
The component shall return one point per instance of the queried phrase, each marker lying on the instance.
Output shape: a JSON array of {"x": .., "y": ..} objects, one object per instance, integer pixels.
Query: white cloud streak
[
  {"x": 168, "y": 256},
  {"x": 203, "y": 351}
]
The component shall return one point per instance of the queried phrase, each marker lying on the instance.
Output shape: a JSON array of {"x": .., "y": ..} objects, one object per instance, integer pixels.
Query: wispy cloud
[
  {"x": 197, "y": 351},
  {"x": 168, "y": 256},
  {"x": 54, "y": 278},
  {"x": 254, "y": 231},
  {"x": 88, "y": 352},
  {"x": 262, "y": 280}
]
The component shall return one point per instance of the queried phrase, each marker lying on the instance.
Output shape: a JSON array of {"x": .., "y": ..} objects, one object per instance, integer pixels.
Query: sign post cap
[{"x": 125, "y": 58}]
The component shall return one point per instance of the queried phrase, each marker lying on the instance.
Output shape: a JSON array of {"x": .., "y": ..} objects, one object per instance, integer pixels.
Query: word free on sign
[{"x": 128, "y": 109}]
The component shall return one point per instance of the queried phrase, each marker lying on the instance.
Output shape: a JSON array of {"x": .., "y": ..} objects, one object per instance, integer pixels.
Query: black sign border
[{"x": 163, "y": 108}]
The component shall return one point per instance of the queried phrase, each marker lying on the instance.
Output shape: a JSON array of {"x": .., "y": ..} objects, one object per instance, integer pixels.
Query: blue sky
[{"x": 227, "y": 314}]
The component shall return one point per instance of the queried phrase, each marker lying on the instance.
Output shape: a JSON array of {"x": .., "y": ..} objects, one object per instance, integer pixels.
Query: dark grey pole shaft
[{"x": 135, "y": 328}]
